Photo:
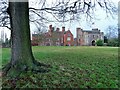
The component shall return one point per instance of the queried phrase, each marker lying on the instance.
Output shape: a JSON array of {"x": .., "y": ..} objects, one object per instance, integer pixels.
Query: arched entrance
[{"x": 93, "y": 43}]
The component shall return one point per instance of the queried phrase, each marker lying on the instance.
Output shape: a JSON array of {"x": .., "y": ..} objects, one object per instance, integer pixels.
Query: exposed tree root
[
  {"x": 5, "y": 69},
  {"x": 41, "y": 64},
  {"x": 16, "y": 70}
]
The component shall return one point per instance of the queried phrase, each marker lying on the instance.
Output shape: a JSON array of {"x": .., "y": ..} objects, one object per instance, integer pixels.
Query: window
[
  {"x": 68, "y": 34},
  {"x": 68, "y": 39},
  {"x": 78, "y": 36},
  {"x": 48, "y": 39}
]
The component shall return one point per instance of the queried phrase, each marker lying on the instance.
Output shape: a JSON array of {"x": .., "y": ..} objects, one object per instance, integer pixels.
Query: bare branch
[{"x": 61, "y": 11}]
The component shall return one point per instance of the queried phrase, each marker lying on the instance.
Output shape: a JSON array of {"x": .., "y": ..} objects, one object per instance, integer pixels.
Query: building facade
[
  {"x": 88, "y": 38},
  {"x": 57, "y": 37},
  {"x": 54, "y": 38}
]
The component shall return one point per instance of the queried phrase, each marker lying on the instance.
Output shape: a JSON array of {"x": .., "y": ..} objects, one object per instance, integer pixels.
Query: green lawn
[{"x": 80, "y": 67}]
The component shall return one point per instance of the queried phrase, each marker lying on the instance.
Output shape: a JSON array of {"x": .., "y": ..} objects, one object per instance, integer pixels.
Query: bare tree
[
  {"x": 17, "y": 14},
  {"x": 21, "y": 54},
  {"x": 66, "y": 10},
  {"x": 61, "y": 10},
  {"x": 40, "y": 35},
  {"x": 112, "y": 32}
]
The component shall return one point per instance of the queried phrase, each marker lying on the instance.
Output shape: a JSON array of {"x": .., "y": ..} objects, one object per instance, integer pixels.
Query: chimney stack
[
  {"x": 63, "y": 29},
  {"x": 50, "y": 28},
  {"x": 78, "y": 28},
  {"x": 58, "y": 29}
]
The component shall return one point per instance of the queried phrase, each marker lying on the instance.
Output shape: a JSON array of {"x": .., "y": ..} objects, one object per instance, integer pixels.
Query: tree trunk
[
  {"x": 21, "y": 52},
  {"x": 21, "y": 43}
]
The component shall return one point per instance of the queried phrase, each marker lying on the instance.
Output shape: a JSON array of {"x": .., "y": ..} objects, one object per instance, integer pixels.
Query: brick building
[
  {"x": 87, "y": 37},
  {"x": 54, "y": 37}
]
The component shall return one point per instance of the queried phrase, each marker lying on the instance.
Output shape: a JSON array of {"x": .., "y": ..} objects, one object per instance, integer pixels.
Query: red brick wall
[
  {"x": 61, "y": 35},
  {"x": 70, "y": 35},
  {"x": 34, "y": 41}
]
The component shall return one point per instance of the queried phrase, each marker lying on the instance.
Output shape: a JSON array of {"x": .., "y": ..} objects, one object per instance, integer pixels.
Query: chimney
[
  {"x": 95, "y": 29},
  {"x": 58, "y": 29},
  {"x": 50, "y": 28},
  {"x": 63, "y": 29},
  {"x": 78, "y": 29}
]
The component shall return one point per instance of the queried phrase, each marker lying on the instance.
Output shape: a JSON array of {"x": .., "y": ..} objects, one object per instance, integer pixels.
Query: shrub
[
  {"x": 99, "y": 43},
  {"x": 113, "y": 42}
]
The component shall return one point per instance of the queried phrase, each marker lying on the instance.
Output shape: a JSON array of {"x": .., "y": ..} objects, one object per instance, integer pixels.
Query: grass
[{"x": 73, "y": 67}]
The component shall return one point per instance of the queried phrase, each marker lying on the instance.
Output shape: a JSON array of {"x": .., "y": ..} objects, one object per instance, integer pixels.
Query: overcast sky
[{"x": 101, "y": 24}]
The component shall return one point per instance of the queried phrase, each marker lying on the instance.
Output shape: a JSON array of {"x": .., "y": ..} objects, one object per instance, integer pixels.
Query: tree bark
[
  {"x": 21, "y": 43},
  {"x": 21, "y": 52}
]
